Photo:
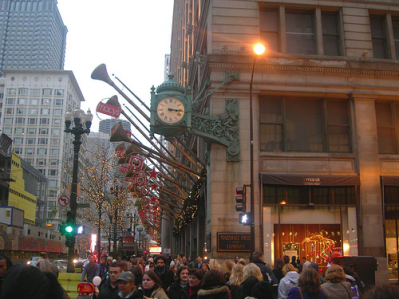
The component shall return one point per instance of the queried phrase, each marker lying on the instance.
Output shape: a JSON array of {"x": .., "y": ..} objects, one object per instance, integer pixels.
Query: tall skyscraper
[
  {"x": 107, "y": 124},
  {"x": 32, "y": 114},
  {"x": 32, "y": 35}
]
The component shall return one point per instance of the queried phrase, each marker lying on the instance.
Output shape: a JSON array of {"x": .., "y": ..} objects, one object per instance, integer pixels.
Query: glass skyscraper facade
[{"x": 32, "y": 35}]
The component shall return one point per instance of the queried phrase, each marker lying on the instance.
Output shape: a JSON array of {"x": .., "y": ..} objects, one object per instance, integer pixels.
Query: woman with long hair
[
  {"x": 179, "y": 289},
  {"x": 289, "y": 280},
  {"x": 213, "y": 286},
  {"x": 226, "y": 267},
  {"x": 236, "y": 278},
  {"x": 152, "y": 286},
  {"x": 251, "y": 275},
  {"x": 204, "y": 267},
  {"x": 336, "y": 286},
  {"x": 278, "y": 268},
  {"x": 308, "y": 286},
  {"x": 214, "y": 265}
]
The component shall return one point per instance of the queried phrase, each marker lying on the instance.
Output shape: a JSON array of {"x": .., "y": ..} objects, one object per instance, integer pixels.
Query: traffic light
[
  {"x": 245, "y": 218},
  {"x": 69, "y": 229},
  {"x": 240, "y": 199}
]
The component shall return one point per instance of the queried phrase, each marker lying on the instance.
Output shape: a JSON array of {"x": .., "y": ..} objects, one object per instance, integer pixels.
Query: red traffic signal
[{"x": 241, "y": 199}]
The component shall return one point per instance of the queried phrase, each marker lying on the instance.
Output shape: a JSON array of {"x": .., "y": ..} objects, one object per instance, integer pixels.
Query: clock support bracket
[{"x": 222, "y": 129}]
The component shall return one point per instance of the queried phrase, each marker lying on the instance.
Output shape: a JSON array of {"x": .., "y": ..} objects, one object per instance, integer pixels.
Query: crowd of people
[{"x": 188, "y": 278}]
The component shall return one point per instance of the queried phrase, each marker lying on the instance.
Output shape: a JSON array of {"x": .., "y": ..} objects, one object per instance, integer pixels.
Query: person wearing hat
[
  {"x": 150, "y": 262},
  {"x": 336, "y": 259},
  {"x": 127, "y": 288}
]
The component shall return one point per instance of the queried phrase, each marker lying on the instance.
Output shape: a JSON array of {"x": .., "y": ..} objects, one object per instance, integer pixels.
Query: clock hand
[{"x": 177, "y": 110}]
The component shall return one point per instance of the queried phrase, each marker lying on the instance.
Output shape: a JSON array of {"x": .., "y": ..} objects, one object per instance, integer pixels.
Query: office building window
[
  {"x": 58, "y": 102},
  {"x": 18, "y": 140},
  {"x": 23, "y": 91},
  {"x": 46, "y": 101},
  {"x": 45, "y": 111},
  {"x": 54, "y": 152},
  {"x": 53, "y": 172},
  {"x": 300, "y": 28},
  {"x": 41, "y": 161},
  {"x": 7, "y": 130},
  {"x": 387, "y": 114},
  {"x": 10, "y": 101},
  {"x": 53, "y": 161},
  {"x": 33, "y": 111},
  {"x": 30, "y": 141},
  {"x": 8, "y": 120},
  {"x": 269, "y": 29},
  {"x": 42, "y": 151},
  {"x": 31, "y": 131},
  {"x": 42, "y": 141},
  {"x": 47, "y": 91},
  {"x": 29, "y": 151},
  {"x": 32, "y": 121},
  {"x": 326, "y": 129},
  {"x": 22, "y": 101},
  {"x": 59, "y": 92},
  {"x": 379, "y": 37},
  {"x": 43, "y": 131},
  {"x": 57, "y": 121},
  {"x": 44, "y": 121},
  {"x": 35, "y": 92},
  {"x": 33, "y": 102},
  {"x": 57, "y": 111},
  {"x": 11, "y": 91},
  {"x": 300, "y": 33},
  {"x": 9, "y": 111},
  {"x": 19, "y": 130}
]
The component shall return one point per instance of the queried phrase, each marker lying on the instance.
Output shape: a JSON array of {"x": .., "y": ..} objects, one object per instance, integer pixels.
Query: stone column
[{"x": 371, "y": 232}]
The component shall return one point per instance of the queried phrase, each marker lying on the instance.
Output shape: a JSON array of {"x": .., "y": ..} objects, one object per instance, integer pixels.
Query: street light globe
[{"x": 259, "y": 49}]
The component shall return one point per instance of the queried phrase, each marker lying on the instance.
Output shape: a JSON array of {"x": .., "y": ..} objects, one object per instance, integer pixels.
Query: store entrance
[{"x": 316, "y": 242}]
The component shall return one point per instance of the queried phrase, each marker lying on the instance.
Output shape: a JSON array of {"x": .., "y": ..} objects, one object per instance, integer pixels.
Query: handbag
[{"x": 350, "y": 295}]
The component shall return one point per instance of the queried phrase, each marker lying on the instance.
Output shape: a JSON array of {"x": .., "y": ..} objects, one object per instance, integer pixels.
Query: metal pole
[{"x": 251, "y": 149}]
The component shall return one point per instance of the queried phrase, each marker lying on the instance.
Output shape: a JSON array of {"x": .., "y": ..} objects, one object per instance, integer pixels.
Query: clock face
[{"x": 170, "y": 110}]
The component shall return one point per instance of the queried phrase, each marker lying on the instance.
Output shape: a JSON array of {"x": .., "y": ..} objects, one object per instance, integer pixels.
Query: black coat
[
  {"x": 278, "y": 273},
  {"x": 138, "y": 294},
  {"x": 177, "y": 292},
  {"x": 266, "y": 271},
  {"x": 245, "y": 289},
  {"x": 106, "y": 291},
  {"x": 166, "y": 277},
  {"x": 213, "y": 292}
]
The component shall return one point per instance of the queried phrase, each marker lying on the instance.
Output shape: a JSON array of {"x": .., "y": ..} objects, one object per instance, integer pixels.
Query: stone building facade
[{"x": 325, "y": 111}]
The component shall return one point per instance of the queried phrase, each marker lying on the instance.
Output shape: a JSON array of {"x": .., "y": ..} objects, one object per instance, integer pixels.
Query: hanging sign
[{"x": 108, "y": 110}]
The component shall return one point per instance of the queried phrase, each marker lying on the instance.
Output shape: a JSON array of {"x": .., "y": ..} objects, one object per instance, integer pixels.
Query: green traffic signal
[{"x": 68, "y": 229}]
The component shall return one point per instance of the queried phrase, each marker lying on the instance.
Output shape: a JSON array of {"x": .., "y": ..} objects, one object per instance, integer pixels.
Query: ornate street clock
[
  {"x": 171, "y": 116},
  {"x": 170, "y": 109}
]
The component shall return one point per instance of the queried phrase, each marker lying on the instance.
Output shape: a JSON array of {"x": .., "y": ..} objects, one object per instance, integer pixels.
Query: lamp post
[
  {"x": 259, "y": 49},
  {"x": 78, "y": 117}
]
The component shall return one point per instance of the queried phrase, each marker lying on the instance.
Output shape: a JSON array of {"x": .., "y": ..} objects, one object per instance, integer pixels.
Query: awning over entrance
[
  {"x": 388, "y": 180},
  {"x": 311, "y": 180}
]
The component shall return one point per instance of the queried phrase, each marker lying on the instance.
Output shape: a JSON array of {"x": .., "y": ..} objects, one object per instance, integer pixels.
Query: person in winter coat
[
  {"x": 308, "y": 286},
  {"x": 236, "y": 278},
  {"x": 278, "y": 269},
  {"x": 336, "y": 286},
  {"x": 316, "y": 267},
  {"x": 268, "y": 275},
  {"x": 179, "y": 289},
  {"x": 194, "y": 281},
  {"x": 213, "y": 286},
  {"x": 163, "y": 272},
  {"x": 289, "y": 281},
  {"x": 126, "y": 287},
  {"x": 251, "y": 275},
  {"x": 152, "y": 286}
]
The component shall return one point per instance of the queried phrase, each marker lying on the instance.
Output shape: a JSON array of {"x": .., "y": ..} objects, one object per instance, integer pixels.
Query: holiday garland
[{"x": 190, "y": 205}]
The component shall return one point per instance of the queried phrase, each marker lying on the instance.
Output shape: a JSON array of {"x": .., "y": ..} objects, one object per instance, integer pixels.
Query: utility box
[{"x": 365, "y": 267}]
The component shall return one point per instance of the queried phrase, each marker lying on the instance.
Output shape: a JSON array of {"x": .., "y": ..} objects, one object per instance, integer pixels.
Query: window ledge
[
  {"x": 308, "y": 155},
  {"x": 388, "y": 157}
]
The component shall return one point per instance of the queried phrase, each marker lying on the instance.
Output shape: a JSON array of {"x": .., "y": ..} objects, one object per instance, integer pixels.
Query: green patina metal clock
[
  {"x": 170, "y": 109},
  {"x": 171, "y": 116}
]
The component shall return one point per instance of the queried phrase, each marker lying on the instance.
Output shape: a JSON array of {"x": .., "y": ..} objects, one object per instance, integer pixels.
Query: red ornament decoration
[
  {"x": 136, "y": 162},
  {"x": 153, "y": 174}
]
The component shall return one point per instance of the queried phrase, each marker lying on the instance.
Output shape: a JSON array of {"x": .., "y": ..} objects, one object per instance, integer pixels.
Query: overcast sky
[{"x": 130, "y": 36}]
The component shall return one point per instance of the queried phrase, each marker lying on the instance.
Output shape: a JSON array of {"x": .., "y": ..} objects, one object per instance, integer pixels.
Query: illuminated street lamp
[
  {"x": 78, "y": 117},
  {"x": 259, "y": 49}
]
